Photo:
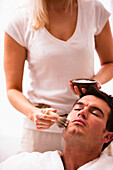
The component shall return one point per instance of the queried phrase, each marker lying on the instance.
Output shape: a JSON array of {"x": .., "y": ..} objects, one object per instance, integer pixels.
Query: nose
[{"x": 83, "y": 113}]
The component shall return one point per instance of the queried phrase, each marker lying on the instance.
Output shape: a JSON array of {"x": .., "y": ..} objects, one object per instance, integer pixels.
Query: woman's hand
[
  {"x": 45, "y": 118},
  {"x": 76, "y": 90}
]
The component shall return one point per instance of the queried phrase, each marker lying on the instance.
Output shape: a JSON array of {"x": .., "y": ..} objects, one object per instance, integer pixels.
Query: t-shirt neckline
[{"x": 74, "y": 33}]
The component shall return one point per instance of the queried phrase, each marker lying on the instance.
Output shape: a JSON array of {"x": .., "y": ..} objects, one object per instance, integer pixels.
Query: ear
[{"x": 108, "y": 137}]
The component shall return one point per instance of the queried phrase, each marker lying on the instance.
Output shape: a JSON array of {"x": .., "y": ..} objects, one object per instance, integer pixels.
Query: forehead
[{"x": 91, "y": 100}]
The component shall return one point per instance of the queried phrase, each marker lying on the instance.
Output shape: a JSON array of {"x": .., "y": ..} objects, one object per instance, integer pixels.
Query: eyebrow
[
  {"x": 80, "y": 103},
  {"x": 93, "y": 107}
]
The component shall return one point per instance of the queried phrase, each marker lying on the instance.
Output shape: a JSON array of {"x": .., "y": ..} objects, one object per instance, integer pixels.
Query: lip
[{"x": 79, "y": 121}]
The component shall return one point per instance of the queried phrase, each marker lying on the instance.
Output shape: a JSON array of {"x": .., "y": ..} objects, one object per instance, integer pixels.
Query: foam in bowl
[{"x": 84, "y": 81}]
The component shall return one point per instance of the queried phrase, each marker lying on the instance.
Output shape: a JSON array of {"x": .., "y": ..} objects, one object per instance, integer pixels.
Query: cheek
[
  {"x": 97, "y": 125},
  {"x": 71, "y": 116}
]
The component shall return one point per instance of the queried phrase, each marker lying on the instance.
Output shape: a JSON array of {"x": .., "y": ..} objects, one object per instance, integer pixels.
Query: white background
[{"x": 10, "y": 119}]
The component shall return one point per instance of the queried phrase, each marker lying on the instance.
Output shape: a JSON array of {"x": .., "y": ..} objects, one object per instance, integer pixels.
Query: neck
[
  {"x": 58, "y": 5},
  {"x": 75, "y": 157}
]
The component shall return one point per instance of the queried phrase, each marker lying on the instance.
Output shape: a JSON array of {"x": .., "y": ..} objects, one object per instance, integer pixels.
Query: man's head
[{"x": 91, "y": 120}]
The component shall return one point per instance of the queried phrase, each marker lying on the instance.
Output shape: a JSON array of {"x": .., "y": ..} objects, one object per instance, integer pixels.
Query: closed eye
[
  {"x": 78, "y": 106},
  {"x": 77, "y": 109},
  {"x": 95, "y": 114}
]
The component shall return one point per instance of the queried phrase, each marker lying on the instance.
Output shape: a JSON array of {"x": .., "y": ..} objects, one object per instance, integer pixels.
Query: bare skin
[
  {"x": 62, "y": 18},
  {"x": 62, "y": 26},
  {"x": 81, "y": 146}
]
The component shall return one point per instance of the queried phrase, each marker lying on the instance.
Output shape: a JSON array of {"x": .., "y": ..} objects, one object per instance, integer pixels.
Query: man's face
[{"x": 88, "y": 120}]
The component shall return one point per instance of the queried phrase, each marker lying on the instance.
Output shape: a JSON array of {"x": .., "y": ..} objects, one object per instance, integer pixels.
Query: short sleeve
[
  {"x": 16, "y": 29},
  {"x": 101, "y": 17}
]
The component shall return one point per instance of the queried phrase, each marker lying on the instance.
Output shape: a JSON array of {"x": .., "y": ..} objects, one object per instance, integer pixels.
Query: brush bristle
[{"x": 62, "y": 121}]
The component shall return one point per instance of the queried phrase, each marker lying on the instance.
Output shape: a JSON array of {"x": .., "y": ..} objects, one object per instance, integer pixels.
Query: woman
[{"x": 58, "y": 39}]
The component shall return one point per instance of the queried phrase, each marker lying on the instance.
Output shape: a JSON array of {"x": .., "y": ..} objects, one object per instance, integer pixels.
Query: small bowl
[{"x": 84, "y": 83}]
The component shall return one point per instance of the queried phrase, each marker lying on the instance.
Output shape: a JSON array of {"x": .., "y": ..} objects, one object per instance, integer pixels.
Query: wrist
[{"x": 32, "y": 112}]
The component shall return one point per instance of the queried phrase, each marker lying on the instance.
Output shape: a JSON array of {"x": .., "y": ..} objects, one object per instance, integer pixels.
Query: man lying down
[{"x": 89, "y": 132}]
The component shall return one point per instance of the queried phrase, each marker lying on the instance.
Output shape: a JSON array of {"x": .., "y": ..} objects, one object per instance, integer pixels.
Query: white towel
[
  {"x": 51, "y": 161},
  {"x": 33, "y": 161},
  {"x": 104, "y": 162}
]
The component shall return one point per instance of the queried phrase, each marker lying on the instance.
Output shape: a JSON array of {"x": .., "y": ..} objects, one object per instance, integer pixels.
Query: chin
[{"x": 76, "y": 130}]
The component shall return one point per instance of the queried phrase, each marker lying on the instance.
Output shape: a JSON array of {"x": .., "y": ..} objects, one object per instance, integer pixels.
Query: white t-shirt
[
  {"x": 53, "y": 62},
  {"x": 51, "y": 160}
]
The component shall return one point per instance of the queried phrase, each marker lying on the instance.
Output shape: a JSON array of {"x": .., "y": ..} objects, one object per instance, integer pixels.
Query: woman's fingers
[
  {"x": 43, "y": 124},
  {"x": 83, "y": 90},
  {"x": 99, "y": 85},
  {"x": 76, "y": 90},
  {"x": 71, "y": 86},
  {"x": 46, "y": 114},
  {"x": 42, "y": 127},
  {"x": 44, "y": 118}
]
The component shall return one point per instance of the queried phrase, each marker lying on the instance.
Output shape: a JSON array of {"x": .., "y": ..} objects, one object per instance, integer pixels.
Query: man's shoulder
[
  {"x": 103, "y": 162},
  {"x": 106, "y": 158}
]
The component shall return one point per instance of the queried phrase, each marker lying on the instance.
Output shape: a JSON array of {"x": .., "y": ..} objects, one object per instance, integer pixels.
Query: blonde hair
[{"x": 40, "y": 14}]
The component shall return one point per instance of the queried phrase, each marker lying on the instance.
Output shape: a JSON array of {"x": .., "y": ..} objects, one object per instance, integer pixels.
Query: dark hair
[{"x": 109, "y": 100}]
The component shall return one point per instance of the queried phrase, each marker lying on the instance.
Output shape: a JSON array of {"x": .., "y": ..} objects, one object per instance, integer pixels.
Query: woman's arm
[
  {"x": 104, "y": 48},
  {"x": 14, "y": 60}
]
